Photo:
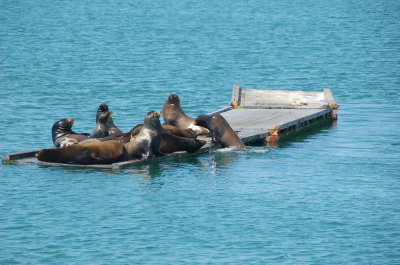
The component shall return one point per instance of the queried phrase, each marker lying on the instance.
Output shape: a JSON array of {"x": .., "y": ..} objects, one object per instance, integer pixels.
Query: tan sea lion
[
  {"x": 222, "y": 133},
  {"x": 174, "y": 115},
  {"x": 63, "y": 135},
  {"x": 146, "y": 143},
  {"x": 85, "y": 154}
]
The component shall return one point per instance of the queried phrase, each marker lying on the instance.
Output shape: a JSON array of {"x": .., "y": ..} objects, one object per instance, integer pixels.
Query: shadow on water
[
  {"x": 299, "y": 136},
  {"x": 307, "y": 133}
]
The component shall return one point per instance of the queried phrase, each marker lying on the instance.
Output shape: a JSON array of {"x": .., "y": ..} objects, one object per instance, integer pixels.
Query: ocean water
[{"x": 330, "y": 196}]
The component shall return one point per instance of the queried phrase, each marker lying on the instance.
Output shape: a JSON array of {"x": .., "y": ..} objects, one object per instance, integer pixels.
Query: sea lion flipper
[
  {"x": 95, "y": 157},
  {"x": 146, "y": 155}
]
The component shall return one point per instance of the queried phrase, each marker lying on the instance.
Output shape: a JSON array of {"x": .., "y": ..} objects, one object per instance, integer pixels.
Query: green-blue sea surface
[{"x": 327, "y": 197}]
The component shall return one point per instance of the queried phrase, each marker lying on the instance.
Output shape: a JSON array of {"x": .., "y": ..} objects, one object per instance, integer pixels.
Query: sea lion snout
[
  {"x": 70, "y": 121},
  {"x": 103, "y": 107},
  {"x": 153, "y": 114},
  {"x": 202, "y": 120}
]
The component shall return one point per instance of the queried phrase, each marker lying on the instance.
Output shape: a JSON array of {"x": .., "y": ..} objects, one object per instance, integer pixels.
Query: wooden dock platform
[{"x": 256, "y": 115}]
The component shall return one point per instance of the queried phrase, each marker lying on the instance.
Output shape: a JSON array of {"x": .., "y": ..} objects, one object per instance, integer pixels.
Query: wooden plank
[
  {"x": 242, "y": 119},
  {"x": 33, "y": 160},
  {"x": 29, "y": 158},
  {"x": 281, "y": 99},
  {"x": 328, "y": 96},
  {"x": 20, "y": 155},
  {"x": 256, "y": 124},
  {"x": 124, "y": 164},
  {"x": 221, "y": 110},
  {"x": 236, "y": 96}
]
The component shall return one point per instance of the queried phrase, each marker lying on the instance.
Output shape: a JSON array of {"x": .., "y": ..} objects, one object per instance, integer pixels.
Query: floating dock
[{"x": 257, "y": 115}]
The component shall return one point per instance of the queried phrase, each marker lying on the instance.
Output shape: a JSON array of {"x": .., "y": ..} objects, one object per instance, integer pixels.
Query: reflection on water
[{"x": 148, "y": 171}]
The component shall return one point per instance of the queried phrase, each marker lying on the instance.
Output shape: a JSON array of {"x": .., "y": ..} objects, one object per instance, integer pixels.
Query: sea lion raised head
[
  {"x": 103, "y": 107},
  {"x": 174, "y": 115},
  {"x": 62, "y": 133},
  {"x": 101, "y": 129},
  {"x": 173, "y": 99},
  {"x": 62, "y": 127},
  {"x": 108, "y": 128},
  {"x": 222, "y": 133},
  {"x": 146, "y": 143},
  {"x": 152, "y": 120}
]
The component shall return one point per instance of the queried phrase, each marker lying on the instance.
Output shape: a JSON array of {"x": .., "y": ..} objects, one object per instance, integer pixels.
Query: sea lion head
[
  {"x": 203, "y": 120},
  {"x": 173, "y": 99},
  {"x": 152, "y": 119},
  {"x": 102, "y": 107},
  {"x": 62, "y": 126}
]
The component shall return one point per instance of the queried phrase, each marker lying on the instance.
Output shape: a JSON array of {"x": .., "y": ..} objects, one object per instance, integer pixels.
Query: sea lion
[
  {"x": 104, "y": 123},
  {"x": 188, "y": 133},
  {"x": 96, "y": 153},
  {"x": 168, "y": 129},
  {"x": 222, "y": 133},
  {"x": 146, "y": 143},
  {"x": 174, "y": 115},
  {"x": 101, "y": 129},
  {"x": 171, "y": 143},
  {"x": 63, "y": 135}
]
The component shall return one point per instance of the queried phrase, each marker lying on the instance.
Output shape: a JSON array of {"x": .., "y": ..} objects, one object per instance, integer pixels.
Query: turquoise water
[{"x": 328, "y": 197}]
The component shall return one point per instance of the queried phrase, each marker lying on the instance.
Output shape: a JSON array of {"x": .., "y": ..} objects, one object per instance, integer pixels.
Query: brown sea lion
[
  {"x": 174, "y": 115},
  {"x": 104, "y": 123},
  {"x": 178, "y": 131},
  {"x": 168, "y": 129},
  {"x": 146, "y": 143},
  {"x": 171, "y": 143},
  {"x": 85, "y": 154},
  {"x": 222, "y": 133},
  {"x": 63, "y": 135}
]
